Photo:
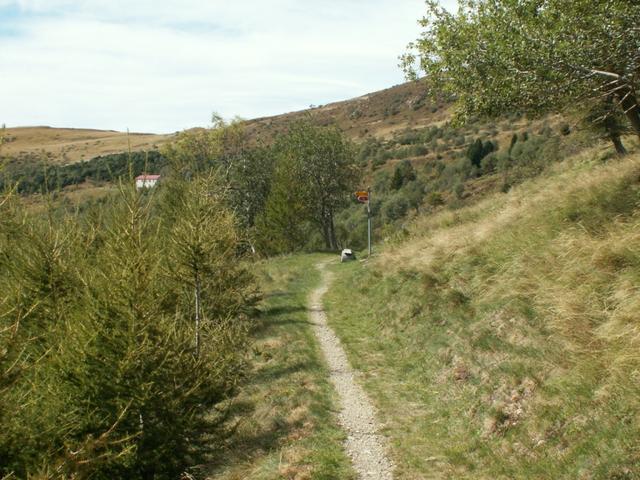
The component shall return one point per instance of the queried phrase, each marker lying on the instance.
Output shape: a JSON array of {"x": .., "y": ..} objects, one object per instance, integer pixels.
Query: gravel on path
[{"x": 364, "y": 445}]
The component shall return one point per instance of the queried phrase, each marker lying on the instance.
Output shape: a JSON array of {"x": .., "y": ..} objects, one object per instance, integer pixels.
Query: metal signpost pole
[{"x": 369, "y": 218}]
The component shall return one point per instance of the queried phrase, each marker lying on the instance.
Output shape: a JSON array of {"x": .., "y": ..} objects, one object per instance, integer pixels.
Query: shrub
[
  {"x": 414, "y": 193},
  {"x": 565, "y": 129},
  {"x": 419, "y": 150},
  {"x": 395, "y": 207},
  {"x": 409, "y": 138},
  {"x": 479, "y": 149},
  {"x": 403, "y": 174},
  {"x": 489, "y": 163},
  {"x": 435, "y": 199}
]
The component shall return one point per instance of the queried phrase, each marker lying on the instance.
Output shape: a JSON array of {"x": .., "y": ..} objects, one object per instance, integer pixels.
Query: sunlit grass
[
  {"x": 283, "y": 420},
  {"x": 502, "y": 340}
]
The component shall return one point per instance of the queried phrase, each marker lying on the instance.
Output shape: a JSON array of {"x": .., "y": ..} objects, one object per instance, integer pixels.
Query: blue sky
[{"x": 166, "y": 65}]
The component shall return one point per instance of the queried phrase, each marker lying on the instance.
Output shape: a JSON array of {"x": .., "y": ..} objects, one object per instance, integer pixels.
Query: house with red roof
[{"x": 146, "y": 181}]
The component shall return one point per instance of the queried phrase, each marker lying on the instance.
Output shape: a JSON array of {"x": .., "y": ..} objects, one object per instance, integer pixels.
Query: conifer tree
[
  {"x": 283, "y": 227},
  {"x": 99, "y": 377}
]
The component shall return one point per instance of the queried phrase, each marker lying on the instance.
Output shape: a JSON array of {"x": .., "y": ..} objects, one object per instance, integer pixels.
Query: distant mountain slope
[
  {"x": 375, "y": 115},
  {"x": 378, "y": 114},
  {"x": 70, "y": 145}
]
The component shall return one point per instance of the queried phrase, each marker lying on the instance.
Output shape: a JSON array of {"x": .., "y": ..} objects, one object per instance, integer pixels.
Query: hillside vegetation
[
  {"x": 495, "y": 326},
  {"x": 500, "y": 340},
  {"x": 62, "y": 146}
]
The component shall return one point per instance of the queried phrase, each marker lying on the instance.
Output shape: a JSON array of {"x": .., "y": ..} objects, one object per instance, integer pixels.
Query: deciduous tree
[
  {"x": 496, "y": 56},
  {"x": 325, "y": 161}
]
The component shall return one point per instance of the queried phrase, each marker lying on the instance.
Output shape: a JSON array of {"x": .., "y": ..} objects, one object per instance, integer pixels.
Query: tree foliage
[
  {"x": 98, "y": 373},
  {"x": 402, "y": 174},
  {"x": 284, "y": 224},
  {"x": 495, "y": 56},
  {"x": 315, "y": 173},
  {"x": 37, "y": 176},
  {"x": 246, "y": 169}
]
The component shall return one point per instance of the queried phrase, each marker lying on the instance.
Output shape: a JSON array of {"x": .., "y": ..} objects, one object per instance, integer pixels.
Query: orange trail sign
[{"x": 362, "y": 196}]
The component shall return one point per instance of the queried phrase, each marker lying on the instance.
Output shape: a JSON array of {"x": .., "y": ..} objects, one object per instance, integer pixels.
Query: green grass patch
[
  {"x": 283, "y": 421},
  {"x": 506, "y": 344}
]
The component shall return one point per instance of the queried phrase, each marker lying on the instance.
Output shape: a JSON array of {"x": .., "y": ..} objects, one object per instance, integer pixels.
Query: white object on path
[{"x": 347, "y": 255}]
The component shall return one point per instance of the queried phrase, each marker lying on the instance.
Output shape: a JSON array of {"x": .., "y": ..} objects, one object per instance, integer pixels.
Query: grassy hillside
[
  {"x": 61, "y": 146},
  {"x": 501, "y": 339},
  {"x": 377, "y": 114}
]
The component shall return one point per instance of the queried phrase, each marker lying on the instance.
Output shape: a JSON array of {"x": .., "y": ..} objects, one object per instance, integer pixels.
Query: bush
[
  {"x": 435, "y": 199},
  {"x": 479, "y": 149},
  {"x": 381, "y": 181},
  {"x": 414, "y": 193},
  {"x": 419, "y": 151},
  {"x": 565, "y": 129},
  {"x": 395, "y": 207},
  {"x": 489, "y": 163},
  {"x": 351, "y": 227},
  {"x": 403, "y": 174},
  {"x": 409, "y": 138}
]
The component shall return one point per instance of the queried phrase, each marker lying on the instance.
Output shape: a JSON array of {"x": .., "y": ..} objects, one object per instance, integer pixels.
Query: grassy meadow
[
  {"x": 282, "y": 422},
  {"x": 500, "y": 340}
]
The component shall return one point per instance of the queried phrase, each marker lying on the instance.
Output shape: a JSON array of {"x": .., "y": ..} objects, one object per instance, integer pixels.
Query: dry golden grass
[
  {"x": 448, "y": 232},
  {"x": 378, "y": 114},
  {"x": 502, "y": 340},
  {"x": 71, "y": 145}
]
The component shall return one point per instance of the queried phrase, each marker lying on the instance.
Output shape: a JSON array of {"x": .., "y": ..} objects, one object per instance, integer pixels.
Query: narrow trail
[{"x": 364, "y": 445}]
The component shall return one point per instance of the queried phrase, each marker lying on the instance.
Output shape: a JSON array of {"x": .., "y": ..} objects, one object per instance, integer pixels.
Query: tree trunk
[
  {"x": 332, "y": 233},
  {"x": 629, "y": 104},
  {"x": 617, "y": 143},
  {"x": 197, "y": 314},
  {"x": 326, "y": 234}
]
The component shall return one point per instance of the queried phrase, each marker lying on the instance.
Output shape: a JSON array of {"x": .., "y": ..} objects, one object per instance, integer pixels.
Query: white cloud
[{"x": 166, "y": 65}]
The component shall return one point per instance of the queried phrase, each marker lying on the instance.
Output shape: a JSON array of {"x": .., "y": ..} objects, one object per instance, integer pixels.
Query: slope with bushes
[{"x": 500, "y": 339}]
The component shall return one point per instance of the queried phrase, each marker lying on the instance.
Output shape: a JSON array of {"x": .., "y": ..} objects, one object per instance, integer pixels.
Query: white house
[{"x": 146, "y": 181}]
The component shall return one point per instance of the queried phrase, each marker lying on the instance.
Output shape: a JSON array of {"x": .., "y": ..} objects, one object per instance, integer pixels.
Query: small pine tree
[
  {"x": 514, "y": 140},
  {"x": 283, "y": 225},
  {"x": 397, "y": 180},
  {"x": 474, "y": 152},
  {"x": 402, "y": 175}
]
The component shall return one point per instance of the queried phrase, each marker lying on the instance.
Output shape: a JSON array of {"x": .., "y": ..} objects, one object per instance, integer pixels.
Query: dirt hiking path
[{"x": 364, "y": 445}]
